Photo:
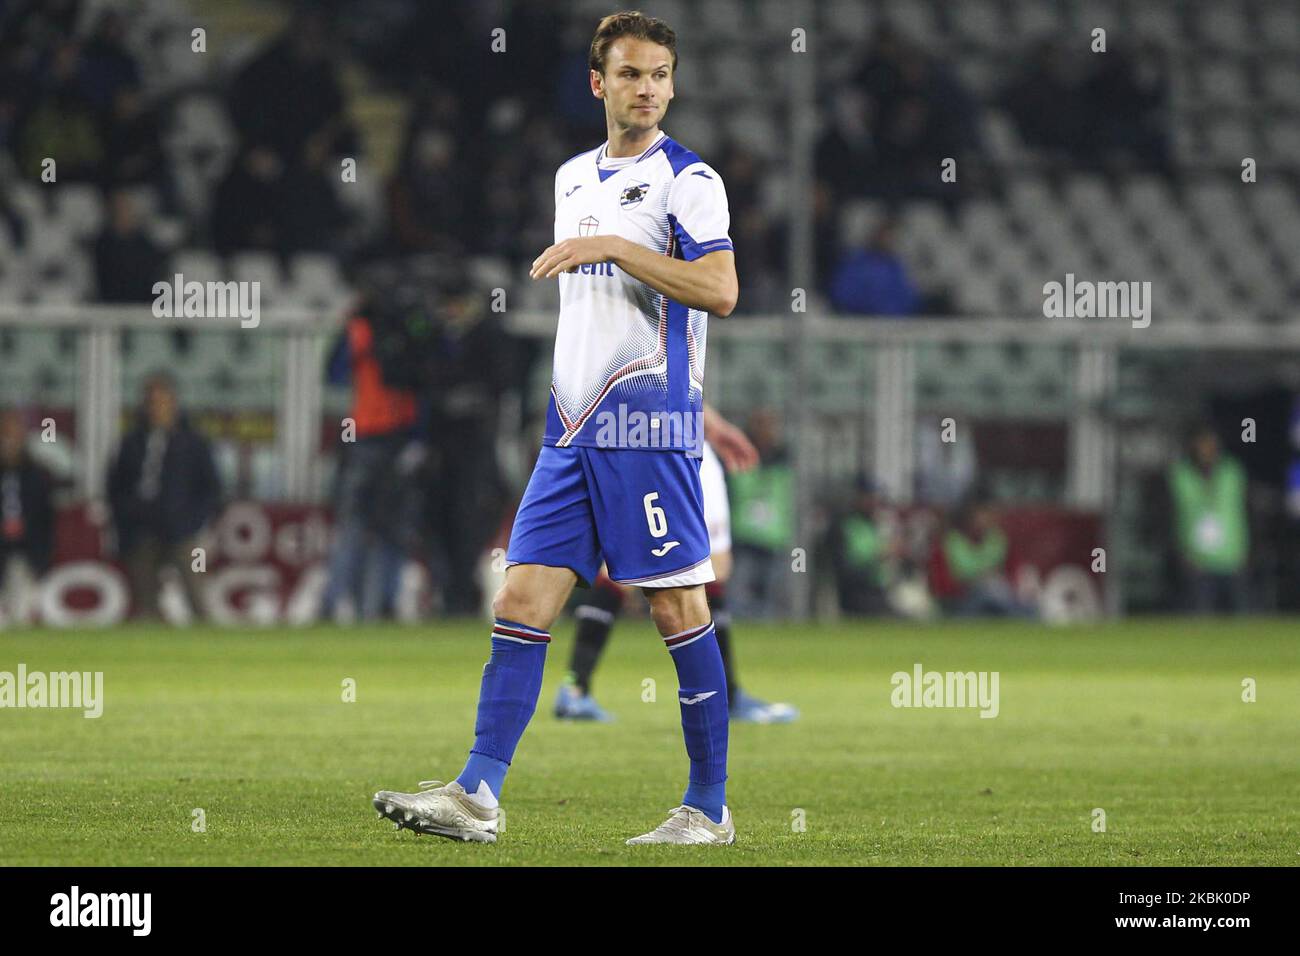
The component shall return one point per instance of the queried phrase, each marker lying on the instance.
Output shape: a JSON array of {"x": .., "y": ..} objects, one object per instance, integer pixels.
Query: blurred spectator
[
  {"x": 249, "y": 203},
  {"x": 762, "y": 522},
  {"x": 162, "y": 489},
  {"x": 62, "y": 125},
  {"x": 466, "y": 495},
  {"x": 974, "y": 553},
  {"x": 430, "y": 198},
  {"x": 106, "y": 67},
  {"x": 873, "y": 280},
  {"x": 1045, "y": 99},
  {"x": 371, "y": 500},
  {"x": 758, "y": 247},
  {"x": 1127, "y": 99},
  {"x": 265, "y": 204},
  {"x": 26, "y": 522},
  {"x": 288, "y": 99},
  {"x": 288, "y": 107},
  {"x": 846, "y": 153},
  {"x": 132, "y": 142},
  {"x": 863, "y": 553},
  {"x": 1208, "y": 490},
  {"x": 916, "y": 113},
  {"x": 127, "y": 263},
  {"x": 945, "y": 470}
]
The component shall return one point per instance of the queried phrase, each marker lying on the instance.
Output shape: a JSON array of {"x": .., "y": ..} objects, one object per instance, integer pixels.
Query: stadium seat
[
  {"x": 28, "y": 201},
  {"x": 79, "y": 208},
  {"x": 846, "y": 19},
  {"x": 1279, "y": 26},
  {"x": 1223, "y": 83},
  {"x": 199, "y": 265},
  {"x": 315, "y": 282},
  {"x": 718, "y": 20},
  {"x": 260, "y": 267},
  {"x": 1032, "y": 20},
  {"x": 979, "y": 21},
  {"x": 1159, "y": 21},
  {"x": 1280, "y": 81},
  {"x": 1222, "y": 26},
  {"x": 1002, "y": 137},
  {"x": 756, "y": 132},
  {"x": 915, "y": 20}
]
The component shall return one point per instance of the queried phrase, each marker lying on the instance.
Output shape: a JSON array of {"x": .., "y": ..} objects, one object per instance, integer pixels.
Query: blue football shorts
[{"x": 640, "y": 511}]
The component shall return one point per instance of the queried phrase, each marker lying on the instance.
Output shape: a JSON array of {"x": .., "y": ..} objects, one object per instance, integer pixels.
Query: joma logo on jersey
[{"x": 633, "y": 195}]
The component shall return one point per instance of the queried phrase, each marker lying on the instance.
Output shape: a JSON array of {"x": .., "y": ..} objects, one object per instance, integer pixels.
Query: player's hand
[
  {"x": 566, "y": 256},
  {"x": 732, "y": 445}
]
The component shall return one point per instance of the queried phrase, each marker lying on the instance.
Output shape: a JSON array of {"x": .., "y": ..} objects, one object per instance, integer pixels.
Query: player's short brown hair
[{"x": 629, "y": 23}]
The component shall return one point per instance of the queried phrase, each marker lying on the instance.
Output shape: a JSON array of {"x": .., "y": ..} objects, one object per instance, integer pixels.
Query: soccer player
[
  {"x": 724, "y": 444},
  {"x": 642, "y": 256}
]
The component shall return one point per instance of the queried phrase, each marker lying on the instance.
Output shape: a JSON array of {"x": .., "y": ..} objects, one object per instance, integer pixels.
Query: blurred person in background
[
  {"x": 974, "y": 552},
  {"x": 916, "y": 113},
  {"x": 60, "y": 122},
  {"x": 475, "y": 364},
  {"x": 1128, "y": 109},
  {"x": 371, "y": 500},
  {"x": 133, "y": 153},
  {"x": 127, "y": 262},
  {"x": 873, "y": 280},
  {"x": 762, "y": 522},
  {"x": 289, "y": 99},
  {"x": 1208, "y": 491},
  {"x": 26, "y": 522},
  {"x": 863, "y": 553},
  {"x": 162, "y": 489},
  {"x": 248, "y": 204},
  {"x": 289, "y": 108},
  {"x": 431, "y": 195},
  {"x": 1045, "y": 99}
]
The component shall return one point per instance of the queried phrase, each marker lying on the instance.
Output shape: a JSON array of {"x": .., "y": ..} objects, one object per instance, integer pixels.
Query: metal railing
[{"x": 889, "y": 400}]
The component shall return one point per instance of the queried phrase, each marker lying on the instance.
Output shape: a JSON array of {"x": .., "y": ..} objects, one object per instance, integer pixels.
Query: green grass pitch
[{"x": 1143, "y": 719}]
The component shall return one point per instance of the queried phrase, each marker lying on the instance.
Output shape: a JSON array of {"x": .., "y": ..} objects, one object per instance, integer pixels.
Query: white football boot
[
  {"x": 688, "y": 825},
  {"x": 441, "y": 810}
]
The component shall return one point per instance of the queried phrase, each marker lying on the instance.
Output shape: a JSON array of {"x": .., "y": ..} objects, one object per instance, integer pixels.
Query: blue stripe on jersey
[
  {"x": 679, "y": 370},
  {"x": 690, "y": 249},
  {"x": 679, "y": 157}
]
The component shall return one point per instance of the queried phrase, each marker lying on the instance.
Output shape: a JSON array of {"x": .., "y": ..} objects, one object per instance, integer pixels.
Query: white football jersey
[{"x": 622, "y": 348}]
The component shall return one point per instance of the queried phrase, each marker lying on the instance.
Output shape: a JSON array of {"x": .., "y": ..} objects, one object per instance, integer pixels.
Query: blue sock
[
  {"x": 507, "y": 697},
  {"x": 702, "y": 694}
]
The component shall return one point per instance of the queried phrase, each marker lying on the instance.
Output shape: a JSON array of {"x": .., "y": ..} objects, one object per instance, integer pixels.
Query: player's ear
[{"x": 597, "y": 85}]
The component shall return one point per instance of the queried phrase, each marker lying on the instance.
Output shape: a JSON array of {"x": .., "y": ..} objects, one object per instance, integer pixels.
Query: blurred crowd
[
  {"x": 472, "y": 170},
  {"x": 429, "y": 368}
]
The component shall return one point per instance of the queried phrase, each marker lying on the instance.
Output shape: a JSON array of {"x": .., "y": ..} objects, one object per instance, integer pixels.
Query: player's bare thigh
[
  {"x": 677, "y": 609},
  {"x": 534, "y": 594}
]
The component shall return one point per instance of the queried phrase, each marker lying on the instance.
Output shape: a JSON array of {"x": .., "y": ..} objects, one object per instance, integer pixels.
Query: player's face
[{"x": 637, "y": 84}]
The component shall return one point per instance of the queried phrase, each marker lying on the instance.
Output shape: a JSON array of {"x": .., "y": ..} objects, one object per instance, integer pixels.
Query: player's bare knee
[
  {"x": 511, "y": 605},
  {"x": 676, "y": 609},
  {"x": 667, "y": 617}
]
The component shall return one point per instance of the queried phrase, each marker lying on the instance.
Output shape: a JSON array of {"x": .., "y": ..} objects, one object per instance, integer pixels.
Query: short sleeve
[{"x": 697, "y": 209}]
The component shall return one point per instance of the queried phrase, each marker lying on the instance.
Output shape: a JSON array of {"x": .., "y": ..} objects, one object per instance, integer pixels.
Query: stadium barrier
[{"x": 871, "y": 418}]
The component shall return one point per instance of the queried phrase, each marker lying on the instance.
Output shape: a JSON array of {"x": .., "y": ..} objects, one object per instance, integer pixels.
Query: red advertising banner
[{"x": 265, "y": 564}]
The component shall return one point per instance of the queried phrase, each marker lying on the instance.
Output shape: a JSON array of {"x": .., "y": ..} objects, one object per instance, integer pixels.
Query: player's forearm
[{"x": 710, "y": 286}]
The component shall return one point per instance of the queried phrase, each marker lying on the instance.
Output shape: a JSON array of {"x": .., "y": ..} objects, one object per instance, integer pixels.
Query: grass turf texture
[{"x": 1142, "y": 719}]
